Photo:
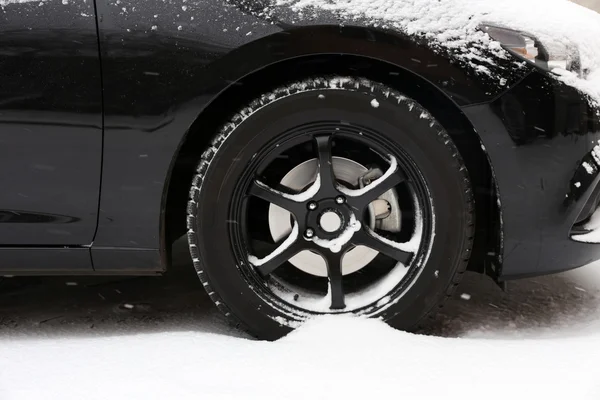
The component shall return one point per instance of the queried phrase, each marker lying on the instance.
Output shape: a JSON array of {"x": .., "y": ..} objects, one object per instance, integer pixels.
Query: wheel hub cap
[
  {"x": 330, "y": 221},
  {"x": 326, "y": 226}
]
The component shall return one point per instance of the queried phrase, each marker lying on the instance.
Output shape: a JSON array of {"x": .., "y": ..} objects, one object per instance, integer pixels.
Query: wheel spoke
[
  {"x": 379, "y": 187},
  {"x": 323, "y": 144},
  {"x": 378, "y": 244},
  {"x": 271, "y": 195},
  {"x": 334, "y": 272},
  {"x": 281, "y": 254}
]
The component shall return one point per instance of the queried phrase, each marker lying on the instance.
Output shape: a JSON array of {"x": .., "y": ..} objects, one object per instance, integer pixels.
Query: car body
[{"x": 105, "y": 108}]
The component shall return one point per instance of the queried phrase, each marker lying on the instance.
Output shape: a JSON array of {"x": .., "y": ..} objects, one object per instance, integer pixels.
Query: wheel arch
[{"x": 238, "y": 90}]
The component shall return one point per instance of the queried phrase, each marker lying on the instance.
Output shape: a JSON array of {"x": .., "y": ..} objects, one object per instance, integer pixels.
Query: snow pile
[
  {"x": 560, "y": 25},
  {"x": 329, "y": 358},
  {"x": 335, "y": 357}
]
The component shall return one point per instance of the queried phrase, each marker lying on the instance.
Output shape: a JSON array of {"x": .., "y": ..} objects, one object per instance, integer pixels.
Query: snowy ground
[
  {"x": 161, "y": 338},
  {"x": 62, "y": 341}
]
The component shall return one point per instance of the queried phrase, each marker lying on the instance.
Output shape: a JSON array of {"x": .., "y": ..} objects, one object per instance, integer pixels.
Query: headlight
[{"x": 529, "y": 48}]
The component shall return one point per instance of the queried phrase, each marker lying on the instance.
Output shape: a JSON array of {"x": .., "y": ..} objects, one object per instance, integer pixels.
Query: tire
[{"x": 432, "y": 238}]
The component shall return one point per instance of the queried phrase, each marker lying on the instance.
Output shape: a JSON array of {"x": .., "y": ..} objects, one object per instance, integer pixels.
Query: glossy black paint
[
  {"x": 50, "y": 124},
  {"x": 157, "y": 82},
  {"x": 537, "y": 135},
  {"x": 164, "y": 69}
]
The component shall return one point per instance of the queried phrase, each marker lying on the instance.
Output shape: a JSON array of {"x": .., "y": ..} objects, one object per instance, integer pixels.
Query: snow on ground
[
  {"x": 159, "y": 338},
  {"x": 65, "y": 341}
]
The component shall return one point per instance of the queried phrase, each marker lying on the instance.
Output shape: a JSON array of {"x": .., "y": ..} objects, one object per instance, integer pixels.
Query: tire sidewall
[{"x": 397, "y": 119}]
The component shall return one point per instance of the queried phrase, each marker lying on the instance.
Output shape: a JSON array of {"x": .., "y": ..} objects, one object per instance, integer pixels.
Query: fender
[
  {"x": 461, "y": 82},
  {"x": 157, "y": 82}
]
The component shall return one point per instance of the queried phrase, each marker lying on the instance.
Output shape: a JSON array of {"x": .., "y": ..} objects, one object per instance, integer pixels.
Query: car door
[{"x": 50, "y": 122}]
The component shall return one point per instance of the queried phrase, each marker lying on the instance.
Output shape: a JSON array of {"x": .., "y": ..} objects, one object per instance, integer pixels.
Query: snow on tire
[{"x": 330, "y": 195}]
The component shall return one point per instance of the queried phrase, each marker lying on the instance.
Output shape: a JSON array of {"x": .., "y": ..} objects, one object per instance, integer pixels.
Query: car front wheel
[{"x": 326, "y": 196}]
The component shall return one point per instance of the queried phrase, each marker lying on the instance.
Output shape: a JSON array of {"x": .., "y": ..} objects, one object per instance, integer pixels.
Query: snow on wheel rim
[
  {"x": 378, "y": 293},
  {"x": 294, "y": 212},
  {"x": 388, "y": 292},
  {"x": 280, "y": 224}
]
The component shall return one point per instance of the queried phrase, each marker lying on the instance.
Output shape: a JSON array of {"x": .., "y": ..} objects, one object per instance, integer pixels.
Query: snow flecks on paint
[
  {"x": 374, "y": 103},
  {"x": 321, "y": 96},
  {"x": 588, "y": 167},
  {"x": 359, "y": 192},
  {"x": 577, "y": 184},
  {"x": 257, "y": 262},
  {"x": 481, "y": 69},
  {"x": 335, "y": 245},
  {"x": 465, "y": 296},
  {"x": 453, "y": 28},
  {"x": 180, "y": 28}
]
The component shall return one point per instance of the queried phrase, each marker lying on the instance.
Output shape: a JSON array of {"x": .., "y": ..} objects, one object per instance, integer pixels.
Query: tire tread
[{"x": 342, "y": 83}]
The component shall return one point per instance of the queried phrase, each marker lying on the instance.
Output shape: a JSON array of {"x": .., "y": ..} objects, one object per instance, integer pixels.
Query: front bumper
[{"x": 540, "y": 138}]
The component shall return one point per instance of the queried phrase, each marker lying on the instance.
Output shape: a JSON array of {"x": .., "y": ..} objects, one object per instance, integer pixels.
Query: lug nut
[
  {"x": 309, "y": 233},
  {"x": 312, "y": 205},
  {"x": 340, "y": 200}
]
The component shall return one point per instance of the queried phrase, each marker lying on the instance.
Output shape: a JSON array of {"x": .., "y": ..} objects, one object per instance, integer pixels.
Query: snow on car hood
[
  {"x": 558, "y": 24},
  {"x": 453, "y": 24}
]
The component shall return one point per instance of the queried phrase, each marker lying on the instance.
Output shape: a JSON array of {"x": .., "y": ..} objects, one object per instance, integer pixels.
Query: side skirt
[{"x": 45, "y": 261}]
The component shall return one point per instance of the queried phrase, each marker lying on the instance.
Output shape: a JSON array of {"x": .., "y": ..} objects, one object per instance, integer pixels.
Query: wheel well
[{"x": 242, "y": 92}]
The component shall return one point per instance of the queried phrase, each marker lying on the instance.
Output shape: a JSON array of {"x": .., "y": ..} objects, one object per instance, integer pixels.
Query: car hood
[{"x": 453, "y": 24}]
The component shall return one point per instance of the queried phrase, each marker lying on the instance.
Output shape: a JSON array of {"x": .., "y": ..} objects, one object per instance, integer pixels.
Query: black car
[{"x": 316, "y": 165}]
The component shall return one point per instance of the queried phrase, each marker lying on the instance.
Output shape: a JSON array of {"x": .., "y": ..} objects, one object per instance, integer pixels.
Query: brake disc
[{"x": 384, "y": 213}]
